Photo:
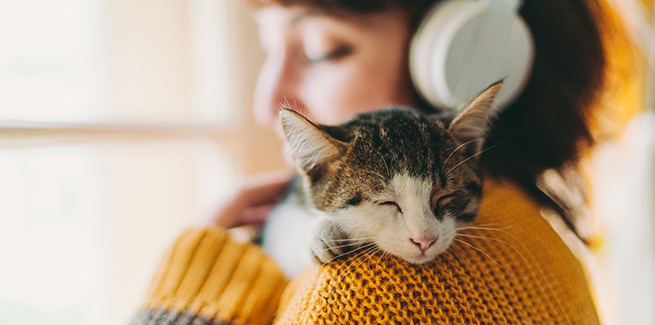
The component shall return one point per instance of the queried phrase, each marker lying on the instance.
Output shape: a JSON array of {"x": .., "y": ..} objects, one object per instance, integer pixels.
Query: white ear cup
[{"x": 464, "y": 46}]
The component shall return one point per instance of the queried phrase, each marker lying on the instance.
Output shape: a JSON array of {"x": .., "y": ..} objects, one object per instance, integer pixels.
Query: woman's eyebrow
[{"x": 313, "y": 13}]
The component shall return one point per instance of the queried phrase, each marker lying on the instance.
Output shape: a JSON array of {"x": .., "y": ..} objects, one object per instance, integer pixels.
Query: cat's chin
[
  {"x": 419, "y": 258},
  {"x": 415, "y": 256},
  {"x": 412, "y": 254}
]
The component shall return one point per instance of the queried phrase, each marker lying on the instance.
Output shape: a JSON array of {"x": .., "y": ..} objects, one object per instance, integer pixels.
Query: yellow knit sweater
[{"x": 511, "y": 269}]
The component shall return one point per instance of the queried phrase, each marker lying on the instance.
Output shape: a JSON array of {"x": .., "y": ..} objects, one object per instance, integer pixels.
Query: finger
[
  {"x": 254, "y": 215},
  {"x": 260, "y": 189}
]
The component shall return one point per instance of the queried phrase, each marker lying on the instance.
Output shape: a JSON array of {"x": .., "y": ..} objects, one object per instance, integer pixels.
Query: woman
[{"x": 331, "y": 59}]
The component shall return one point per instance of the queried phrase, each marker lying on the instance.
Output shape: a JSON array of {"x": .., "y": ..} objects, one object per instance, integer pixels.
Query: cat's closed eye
[
  {"x": 391, "y": 203},
  {"x": 444, "y": 200}
]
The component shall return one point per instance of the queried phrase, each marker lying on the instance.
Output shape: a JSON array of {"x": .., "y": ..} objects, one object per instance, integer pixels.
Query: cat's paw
[{"x": 330, "y": 242}]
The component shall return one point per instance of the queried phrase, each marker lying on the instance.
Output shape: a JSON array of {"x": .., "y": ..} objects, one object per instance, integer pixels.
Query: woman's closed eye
[
  {"x": 338, "y": 53},
  {"x": 319, "y": 45}
]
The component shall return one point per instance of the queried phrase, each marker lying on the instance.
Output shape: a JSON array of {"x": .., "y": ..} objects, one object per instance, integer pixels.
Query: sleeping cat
[{"x": 395, "y": 178}]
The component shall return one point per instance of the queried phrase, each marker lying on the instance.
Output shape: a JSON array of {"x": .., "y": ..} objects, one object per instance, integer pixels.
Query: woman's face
[{"x": 331, "y": 67}]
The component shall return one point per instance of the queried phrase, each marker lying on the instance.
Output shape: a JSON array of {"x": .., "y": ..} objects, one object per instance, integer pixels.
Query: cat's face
[
  {"x": 398, "y": 184},
  {"x": 395, "y": 178}
]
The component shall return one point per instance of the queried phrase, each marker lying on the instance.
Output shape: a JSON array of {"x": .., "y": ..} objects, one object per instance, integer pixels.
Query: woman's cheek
[{"x": 333, "y": 95}]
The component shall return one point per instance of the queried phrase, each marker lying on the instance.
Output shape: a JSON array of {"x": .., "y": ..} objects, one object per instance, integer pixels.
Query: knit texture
[
  {"x": 509, "y": 268},
  {"x": 208, "y": 278},
  {"x": 173, "y": 317}
]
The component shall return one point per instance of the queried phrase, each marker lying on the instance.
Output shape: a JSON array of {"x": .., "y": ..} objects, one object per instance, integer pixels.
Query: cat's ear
[
  {"x": 310, "y": 146},
  {"x": 472, "y": 125}
]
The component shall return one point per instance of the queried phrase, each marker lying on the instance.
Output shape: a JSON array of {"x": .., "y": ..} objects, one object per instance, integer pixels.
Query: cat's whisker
[
  {"x": 492, "y": 239},
  {"x": 365, "y": 246},
  {"x": 488, "y": 225},
  {"x": 503, "y": 242},
  {"x": 387, "y": 256},
  {"x": 484, "y": 237},
  {"x": 452, "y": 250},
  {"x": 385, "y": 162},
  {"x": 371, "y": 249},
  {"x": 483, "y": 228},
  {"x": 481, "y": 251},
  {"x": 380, "y": 258},
  {"x": 383, "y": 257},
  {"x": 338, "y": 246},
  {"x": 459, "y": 147},
  {"x": 382, "y": 177},
  {"x": 351, "y": 239},
  {"x": 361, "y": 246},
  {"x": 343, "y": 271},
  {"x": 455, "y": 245},
  {"x": 482, "y": 151},
  {"x": 502, "y": 230},
  {"x": 370, "y": 256},
  {"x": 371, "y": 253},
  {"x": 459, "y": 246}
]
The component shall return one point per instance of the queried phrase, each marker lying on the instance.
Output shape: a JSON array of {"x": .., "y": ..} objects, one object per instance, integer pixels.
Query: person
[{"x": 332, "y": 59}]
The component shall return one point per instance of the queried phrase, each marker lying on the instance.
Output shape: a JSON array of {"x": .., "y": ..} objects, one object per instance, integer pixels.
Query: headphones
[{"x": 464, "y": 46}]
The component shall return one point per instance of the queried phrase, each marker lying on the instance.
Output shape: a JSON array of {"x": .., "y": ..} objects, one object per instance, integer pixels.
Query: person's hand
[{"x": 252, "y": 201}]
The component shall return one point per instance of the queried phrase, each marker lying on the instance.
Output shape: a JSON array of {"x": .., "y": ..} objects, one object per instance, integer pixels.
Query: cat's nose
[{"x": 423, "y": 243}]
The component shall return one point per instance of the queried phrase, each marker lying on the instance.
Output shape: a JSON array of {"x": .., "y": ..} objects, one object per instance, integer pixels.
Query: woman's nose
[{"x": 278, "y": 84}]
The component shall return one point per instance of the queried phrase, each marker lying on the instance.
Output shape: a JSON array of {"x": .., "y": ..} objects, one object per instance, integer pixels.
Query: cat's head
[{"x": 399, "y": 179}]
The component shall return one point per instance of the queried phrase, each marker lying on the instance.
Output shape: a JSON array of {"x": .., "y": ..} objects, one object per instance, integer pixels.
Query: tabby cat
[{"x": 396, "y": 178}]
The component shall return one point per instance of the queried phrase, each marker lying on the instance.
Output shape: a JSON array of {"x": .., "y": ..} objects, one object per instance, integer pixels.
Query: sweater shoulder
[{"x": 510, "y": 266}]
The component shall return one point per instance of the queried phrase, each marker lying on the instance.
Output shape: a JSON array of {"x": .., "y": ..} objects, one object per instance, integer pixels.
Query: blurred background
[{"x": 124, "y": 121}]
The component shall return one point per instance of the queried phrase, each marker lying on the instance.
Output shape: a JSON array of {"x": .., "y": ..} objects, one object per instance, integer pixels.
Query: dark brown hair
[{"x": 549, "y": 125}]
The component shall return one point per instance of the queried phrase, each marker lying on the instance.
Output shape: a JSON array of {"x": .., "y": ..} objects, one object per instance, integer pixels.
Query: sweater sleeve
[
  {"x": 510, "y": 267},
  {"x": 208, "y": 278}
]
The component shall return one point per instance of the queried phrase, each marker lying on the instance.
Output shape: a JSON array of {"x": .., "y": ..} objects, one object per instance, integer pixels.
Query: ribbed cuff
[
  {"x": 171, "y": 317},
  {"x": 208, "y": 278}
]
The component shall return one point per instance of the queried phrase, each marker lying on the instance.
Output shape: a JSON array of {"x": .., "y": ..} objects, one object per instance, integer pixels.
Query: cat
[{"x": 396, "y": 178}]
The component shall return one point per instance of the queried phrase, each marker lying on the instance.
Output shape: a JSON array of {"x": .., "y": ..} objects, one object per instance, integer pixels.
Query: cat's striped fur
[{"x": 396, "y": 178}]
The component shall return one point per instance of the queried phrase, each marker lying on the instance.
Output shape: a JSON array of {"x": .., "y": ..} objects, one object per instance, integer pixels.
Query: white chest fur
[{"x": 288, "y": 234}]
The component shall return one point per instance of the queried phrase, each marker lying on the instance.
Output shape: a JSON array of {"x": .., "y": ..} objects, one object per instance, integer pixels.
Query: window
[
  {"x": 115, "y": 134},
  {"x": 50, "y": 60}
]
